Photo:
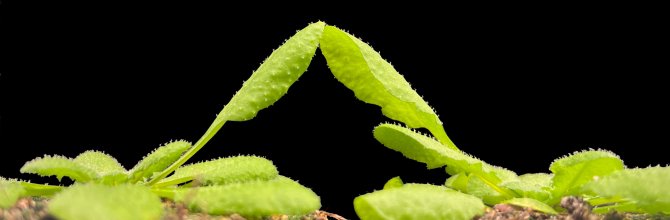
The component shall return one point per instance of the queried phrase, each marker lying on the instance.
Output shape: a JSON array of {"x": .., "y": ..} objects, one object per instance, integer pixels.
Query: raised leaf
[
  {"x": 489, "y": 192},
  {"x": 431, "y": 152},
  {"x": 106, "y": 167},
  {"x": 58, "y": 166},
  {"x": 373, "y": 80},
  {"x": 252, "y": 199},
  {"x": 644, "y": 188},
  {"x": 394, "y": 182},
  {"x": 10, "y": 192},
  {"x": 458, "y": 182},
  {"x": 158, "y": 160},
  {"x": 224, "y": 171},
  {"x": 573, "y": 171},
  {"x": 102, "y": 202},
  {"x": 417, "y": 201},
  {"x": 532, "y": 204},
  {"x": 532, "y": 185}
]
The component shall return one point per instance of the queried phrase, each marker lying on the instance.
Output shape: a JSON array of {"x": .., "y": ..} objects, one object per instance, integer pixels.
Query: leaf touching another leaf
[
  {"x": 158, "y": 160},
  {"x": 224, "y": 171},
  {"x": 106, "y": 167},
  {"x": 373, "y": 80},
  {"x": 101, "y": 202},
  {"x": 252, "y": 199},
  {"x": 10, "y": 192},
  {"x": 58, "y": 166},
  {"x": 531, "y": 203},
  {"x": 532, "y": 185},
  {"x": 646, "y": 188},
  {"x": 572, "y": 172},
  {"x": 417, "y": 201}
]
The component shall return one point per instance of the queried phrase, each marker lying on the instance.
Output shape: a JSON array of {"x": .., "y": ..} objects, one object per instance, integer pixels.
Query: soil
[{"x": 576, "y": 209}]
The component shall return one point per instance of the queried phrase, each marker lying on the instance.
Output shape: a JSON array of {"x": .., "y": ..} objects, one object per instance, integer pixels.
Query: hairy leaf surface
[
  {"x": 417, "y": 201},
  {"x": 252, "y": 199},
  {"x": 573, "y": 171},
  {"x": 10, "y": 192},
  {"x": 158, "y": 160},
  {"x": 58, "y": 166},
  {"x": 224, "y": 171},
  {"x": 102, "y": 202},
  {"x": 373, "y": 80},
  {"x": 532, "y": 185},
  {"x": 106, "y": 167},
  {"x": 645, "y": 188}
]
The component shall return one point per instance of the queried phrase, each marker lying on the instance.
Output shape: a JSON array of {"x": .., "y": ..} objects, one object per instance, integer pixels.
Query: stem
[{"x": 211, "y": 131}]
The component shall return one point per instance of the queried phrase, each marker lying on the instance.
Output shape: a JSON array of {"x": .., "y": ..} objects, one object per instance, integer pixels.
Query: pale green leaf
[
  {"x": 252, "y": 199},
  {"x": 106, "y": 167},
  {"x": 10, "y": 192},
  {"x": 458, "y": 182},
  {"x": 158, "y": 160},
  {"x": 532, "y": 204},
  {"x": 417, "y": 201},
  {"x": 394, "y": 182},
  {"x": 224, "y": 171},
  {"x": 102, "y": 202},
  {"x": 58, "y": 166},
  {"x": 573, "y": 171},
  {"x": 274, "y": 77},
  {"x": 644, "y": 188},
  {"x": 532, "y": 185},
  {"x": 373, "y": 80}
]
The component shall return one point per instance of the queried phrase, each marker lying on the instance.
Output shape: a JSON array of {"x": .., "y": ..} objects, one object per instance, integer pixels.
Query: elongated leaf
[
  {"x": 645, "y": 188},
  {"x": 417, "y": 201},
  {"x": 224, "y": 171},
  {"x": 273, "y": 78},
  {"x": 458, "y": 182},
  {"x": 252, "y": 199},
  {"x": 427, "y": 150},
  {"x": 394, "y": 182},
  {"x": 106, "y": 167},
  {"x": 532, "y": 185},
  {"x": 532, "y": 204},
  {"x": 489, "y": 192},
  {"x": 373, "y": 80},
  {"x": 58, "y": 166},
  {"x": 573, "y": 171},
  {"x": 10, "y": 192},
  {"x": 158, "y": 160},
  {"x": 101, "y": 202}
]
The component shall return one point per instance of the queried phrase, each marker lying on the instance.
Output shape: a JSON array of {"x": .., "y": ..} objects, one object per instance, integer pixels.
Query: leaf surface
[
  {"x": 646, "y": 188},
  {"x": 58, "y": 166},
  {"x": 158, "y": 160},
  {"x": 224, "y": 171},
  {"x": 573, "y": 171},
  {"x": 532, "y": 204}
]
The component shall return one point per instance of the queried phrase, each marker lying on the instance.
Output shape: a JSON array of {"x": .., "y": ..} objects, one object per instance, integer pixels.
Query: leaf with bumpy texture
[
  {"x": 102, "y": 202},
  {"x": 252, "y": 199},
  {"x": 532, "y": 185},
  {"x": 58, "y": 166},
  {"x": 417, "y": 201},
  {"x": 224, "y": 171},
  {"x": 373, "y": 80},
  {"x": 158, "y": 160},
  {"x": 10, "y": 192},
  {"x": 645, "y": 188},
  {"x": 573, "y": 171},
  {"x": 107, "y": 167}
]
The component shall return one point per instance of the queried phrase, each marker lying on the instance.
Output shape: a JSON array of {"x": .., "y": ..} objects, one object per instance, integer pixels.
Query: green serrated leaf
[
  {"x": 394, "y": 182},
  {"x": 58, "y": 166},
  {"x": 107, "y": 168},
  {"x": 102, "y": 202},
  {"x": 10, "y": 192},
  {"x": 573, "y": 171},
  {"x": 644, "y": 189},
  {"x": 417, "y": 201},
  {"x": 532, "y": 204},
  {"x": 431, "y": 152},
  {"x": 373, "y": 80},
  {"x": 252, "y": 199},
  {"x": 224, "y": 171},
  {"x": 532, "y": 185},
  {"x": 158, "y": 160}
]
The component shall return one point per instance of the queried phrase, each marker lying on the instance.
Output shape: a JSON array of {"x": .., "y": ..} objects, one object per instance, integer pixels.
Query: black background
[{"x": 515, "y": 87}]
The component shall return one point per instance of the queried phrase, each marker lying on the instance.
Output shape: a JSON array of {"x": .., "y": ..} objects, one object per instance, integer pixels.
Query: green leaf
[
  {"x": 58, "y": 166},
  {"x": 158, "y": 160},
  {"x": 532, "y": 185},
  {"x": 532, "y": 204},
  {"x": 224, "y": 171},
  {"x": 102, "y": 202},
  {"x": 105, "y": 166},
  {"x": 10, "y": 192},
  {"x": 573, "y": 171},
  {"x": 373, "y": 80},
  {"x": 487, "y": 191},
  {"x": 394, "y": 182},
  {"x": 417, "y": 201},
  {"x": 265, "y": 86},
  {"x": 458, "y": 182},
  {"x": 427, "y": 150},
  {"x": 645, "y": 188},
  {"x": 252, "y": 199},
  {"x": 274, "y": 77}
]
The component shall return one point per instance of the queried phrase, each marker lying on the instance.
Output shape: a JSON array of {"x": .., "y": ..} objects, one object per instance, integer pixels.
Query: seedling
[{"x": 252, "y": 187}]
